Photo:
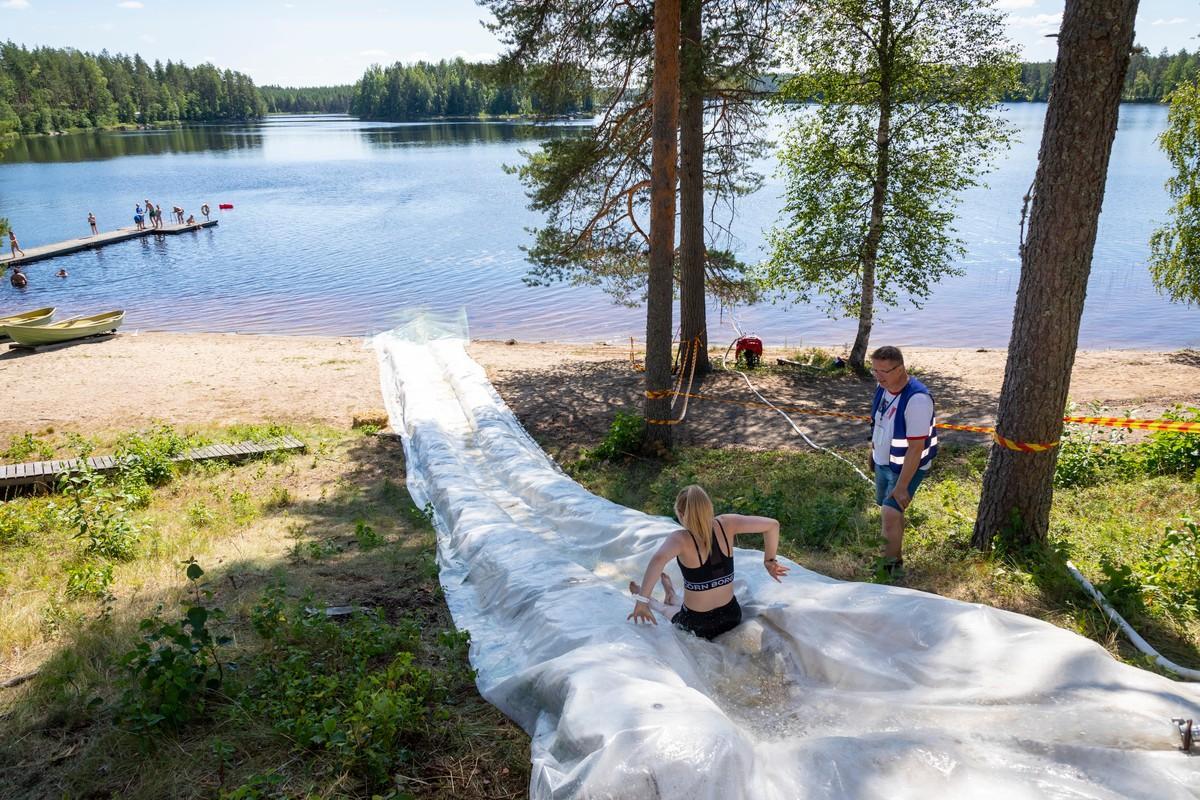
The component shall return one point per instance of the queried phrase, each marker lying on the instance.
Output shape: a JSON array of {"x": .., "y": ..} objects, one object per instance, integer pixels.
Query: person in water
[
  {"x": 704, "y": 550},
  {"x": 62, "y": 273},
  {"x": 18, "y": 279}
]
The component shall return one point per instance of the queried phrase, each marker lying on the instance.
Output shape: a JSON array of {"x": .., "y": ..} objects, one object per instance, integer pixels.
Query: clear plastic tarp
[{"x": 828, "y": 689}]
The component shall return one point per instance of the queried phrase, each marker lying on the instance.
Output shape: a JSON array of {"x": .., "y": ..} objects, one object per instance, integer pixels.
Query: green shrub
[
  {"x": 172, "y": 674},
  {"x": 318, "y": 684},
  {"x": 242, "y": 506},
  {"x": 98, "y": 516},
  {"x": 199, "y": 515},
  {"x": 24, "y": 447},
  {"x": 624, "y": 437},
  {"x": 1084, "y": 460},
  {"x": 1168, "y": 453},
  {"x": 146, "y": 456},
  {"x": 88, "y": 578},
  {"x": 367, "y": 537},
  {"x": 1163, "y": 582}
]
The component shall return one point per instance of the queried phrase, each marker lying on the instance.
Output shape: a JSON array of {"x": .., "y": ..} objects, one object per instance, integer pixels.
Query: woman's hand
[
  {"x": 642, "y": 613},
  {"x": 775, "y": 569}
]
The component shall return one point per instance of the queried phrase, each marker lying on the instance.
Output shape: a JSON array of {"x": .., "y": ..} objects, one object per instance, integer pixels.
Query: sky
[{"x": 323, "y": 42}]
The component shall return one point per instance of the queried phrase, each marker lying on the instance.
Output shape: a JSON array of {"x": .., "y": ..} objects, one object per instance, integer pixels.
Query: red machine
[{"x": 751, "y": 347}]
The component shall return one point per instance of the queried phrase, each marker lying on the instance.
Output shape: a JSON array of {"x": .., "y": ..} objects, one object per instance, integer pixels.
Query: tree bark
[
  {"x": 692, "y": 321},
  {"x": 663, "y": 185},
  {"x": 883, "y": 132},
  {"x": 1081, "y": 120}
]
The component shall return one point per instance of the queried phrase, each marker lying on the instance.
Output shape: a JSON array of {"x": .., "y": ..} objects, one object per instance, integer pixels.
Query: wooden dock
[
  {"x": 47, "y": 473},
  {"x": 99, "y": 240}
]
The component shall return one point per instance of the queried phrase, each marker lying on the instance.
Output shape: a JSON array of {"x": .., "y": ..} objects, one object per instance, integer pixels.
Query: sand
[{"x": 565, "y": 393}]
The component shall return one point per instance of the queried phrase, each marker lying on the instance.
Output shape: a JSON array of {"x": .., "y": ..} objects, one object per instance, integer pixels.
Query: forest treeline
[
  {"x": 307, "y": 99},
  {"x": 49, "y": 89},
  {"x": 1149, "y": 79},
  {"x": 457, "y": 89}
]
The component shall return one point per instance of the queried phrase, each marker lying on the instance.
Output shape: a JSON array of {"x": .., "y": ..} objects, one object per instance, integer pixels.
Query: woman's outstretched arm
[
  {"x": 669, "y": 549},
  {"x": 769, "y": 528}
]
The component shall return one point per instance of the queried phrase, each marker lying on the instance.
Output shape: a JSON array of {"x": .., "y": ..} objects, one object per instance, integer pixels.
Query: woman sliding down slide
[{"x": 704, "y": 550}]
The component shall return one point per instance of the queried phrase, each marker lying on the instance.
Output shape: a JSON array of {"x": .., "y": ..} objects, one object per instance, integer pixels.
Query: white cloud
[
  {"x": 474, "y": 57},
  {"x": 18, "y": 4},
  {"x": 1008, "y": 4},
  {"x": 130, "y": 4},
  {"x": 373, "y": 53},
  {"x": 1171, "y": 21},
  {"x": 1037, "y": 21}
]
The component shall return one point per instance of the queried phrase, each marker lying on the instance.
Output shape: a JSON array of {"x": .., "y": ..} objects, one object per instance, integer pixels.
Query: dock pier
[{"x": 46, "y": 251}]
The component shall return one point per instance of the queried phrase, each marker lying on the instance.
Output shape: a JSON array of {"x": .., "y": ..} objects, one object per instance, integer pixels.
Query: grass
[{"x": 333, "y": 527}]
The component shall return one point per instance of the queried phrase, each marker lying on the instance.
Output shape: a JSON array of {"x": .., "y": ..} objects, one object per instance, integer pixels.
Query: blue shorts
[{"x": 885, "y": 482}]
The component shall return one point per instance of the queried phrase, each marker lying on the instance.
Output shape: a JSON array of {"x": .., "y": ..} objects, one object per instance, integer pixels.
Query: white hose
[
  {"x": 1134, "y": 637},
  {"x": 783, "y": 414}
]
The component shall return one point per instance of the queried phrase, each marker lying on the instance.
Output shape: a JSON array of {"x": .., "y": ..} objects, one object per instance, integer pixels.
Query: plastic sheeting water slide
[{"x": 829, "y": 689}]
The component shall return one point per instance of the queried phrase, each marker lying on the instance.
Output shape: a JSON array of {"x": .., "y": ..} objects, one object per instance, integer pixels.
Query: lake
[{"x": 339, "y": 225}]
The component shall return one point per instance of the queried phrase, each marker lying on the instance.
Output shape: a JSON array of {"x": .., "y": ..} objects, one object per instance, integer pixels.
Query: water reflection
[
  {"x": 466, "y": 133},
  {"x": 103, "y": 145}
]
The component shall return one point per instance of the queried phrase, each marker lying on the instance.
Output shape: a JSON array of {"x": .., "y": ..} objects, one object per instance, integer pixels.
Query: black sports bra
[{"x": 716, "y": 571}]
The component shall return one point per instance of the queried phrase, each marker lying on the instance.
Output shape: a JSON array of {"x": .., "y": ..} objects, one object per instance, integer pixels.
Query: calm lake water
[{"x": 340, "y": 225}]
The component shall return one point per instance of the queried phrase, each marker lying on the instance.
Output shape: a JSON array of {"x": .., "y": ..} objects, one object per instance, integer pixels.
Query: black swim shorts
[{"x": 709, "y": 624}]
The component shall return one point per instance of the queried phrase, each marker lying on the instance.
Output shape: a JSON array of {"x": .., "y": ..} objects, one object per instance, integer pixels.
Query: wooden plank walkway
[
  {"x": 47, "y": 472},
  {"x": 99, "y": 240}
]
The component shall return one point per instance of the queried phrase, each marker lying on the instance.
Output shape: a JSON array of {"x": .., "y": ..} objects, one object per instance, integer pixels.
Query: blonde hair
[{"x": 694, "y": 510}]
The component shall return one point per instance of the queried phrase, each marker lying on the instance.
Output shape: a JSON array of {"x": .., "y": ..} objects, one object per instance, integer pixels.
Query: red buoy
[{"x": 225, "y": 206}]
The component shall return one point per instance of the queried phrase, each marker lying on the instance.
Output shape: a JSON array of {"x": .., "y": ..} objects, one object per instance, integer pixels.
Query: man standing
[{"x": 903, "y": 444}]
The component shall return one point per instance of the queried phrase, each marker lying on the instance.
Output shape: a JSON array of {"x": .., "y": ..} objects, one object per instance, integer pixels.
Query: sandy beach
[{"x": 564, "y": 393}]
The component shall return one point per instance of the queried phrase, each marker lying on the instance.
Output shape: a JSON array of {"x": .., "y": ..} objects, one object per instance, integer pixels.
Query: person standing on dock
[
  {"x": 158, "y": 216},
  {"x": 138, "y": 220},
  {"x": 16, "y": 248},
  {"x": 92, "y": 223},
  {"x": 177, "y": 212}
]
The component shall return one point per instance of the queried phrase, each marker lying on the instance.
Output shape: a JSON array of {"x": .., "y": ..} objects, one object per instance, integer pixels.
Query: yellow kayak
[
  {"x": 75, "y": 328},
  {"x": 39, "y": 316}
]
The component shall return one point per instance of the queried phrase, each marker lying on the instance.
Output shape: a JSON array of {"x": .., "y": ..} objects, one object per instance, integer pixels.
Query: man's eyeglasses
[{"x": 891, "y": 369}]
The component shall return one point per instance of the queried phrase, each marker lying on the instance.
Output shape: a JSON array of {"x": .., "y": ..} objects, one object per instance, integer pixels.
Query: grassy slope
[{"x": 337, "y": 525}]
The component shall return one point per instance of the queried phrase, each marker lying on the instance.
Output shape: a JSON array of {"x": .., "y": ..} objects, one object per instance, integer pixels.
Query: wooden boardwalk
[
  {"x": 99, "y": 240},
  {"x": 46, "y": 473}
]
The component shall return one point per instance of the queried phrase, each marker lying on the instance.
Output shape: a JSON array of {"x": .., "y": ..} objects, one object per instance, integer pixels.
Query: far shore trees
[
  {"x": 46, "y": 89},
  {"x": 1175, "y": 247},
  {"x": 901, "y": 116},
  {"x": 1056, "y": 259}
]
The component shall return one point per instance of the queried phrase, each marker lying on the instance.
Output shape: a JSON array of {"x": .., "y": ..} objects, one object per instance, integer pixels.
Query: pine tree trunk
[
  {"x": 663, "y": 185},
  {"x": 1081, "y": 120},
  {"x": 870, "y": 255},
  {"x": 692, "y": 321}
]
